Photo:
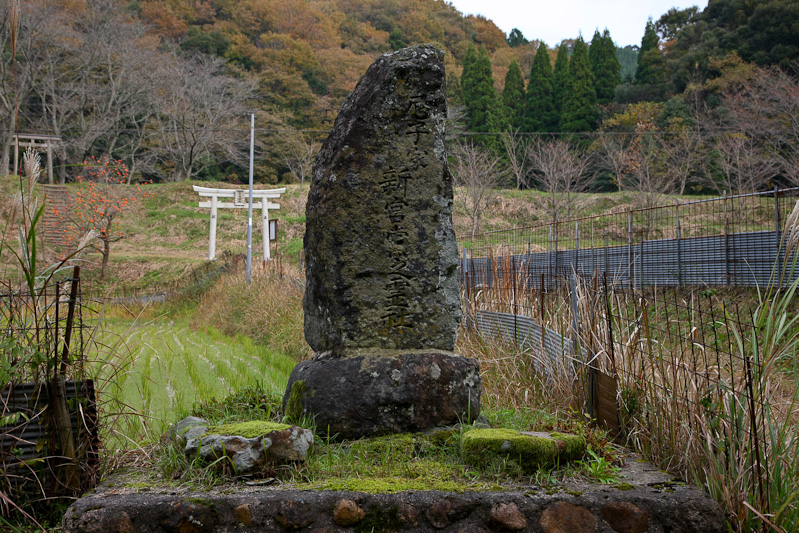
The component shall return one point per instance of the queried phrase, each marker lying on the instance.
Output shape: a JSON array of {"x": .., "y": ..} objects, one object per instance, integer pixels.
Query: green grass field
[{"x": 164, "y": 367}]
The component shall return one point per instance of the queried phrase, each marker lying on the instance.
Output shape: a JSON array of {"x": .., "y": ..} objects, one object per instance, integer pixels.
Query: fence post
[
  {"x": 549, "y": 255},
  {"x": 641, "y": 264},
  {"x": 679, "y": 243},
  {"x": 576, "y": 346},
  {"x": 515, "y": 306},
  {"x": 576, "y": 247},
  {"x": 465, "y": 272},
  {"x": 556, "y": 242},
  {"x": 630, "y": 264},
  {"x": 607, "y": 262},
  {"x": 541, "y": 300},
  {"x": 726, "y": 243}
]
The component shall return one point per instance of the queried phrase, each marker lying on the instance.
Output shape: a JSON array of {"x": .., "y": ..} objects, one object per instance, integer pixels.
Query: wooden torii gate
[
  {"x": 39, "y": 142},
  {"x": 240, "y": 201}
]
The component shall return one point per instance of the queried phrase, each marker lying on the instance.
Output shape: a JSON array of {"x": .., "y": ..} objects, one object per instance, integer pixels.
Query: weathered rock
[
  {"x": 243, "y": 515},
  {"x": 380, "y": 250},
  {"x": 626, "y": 517},
  {"x": 407, "y": 515},
  {"x": 438, "y": 514},
  {"x": 190, "y": 517},
  {"x": 530, "y": 450},
  {"x": 368, "y": 395},
  {"x": 245, "y": 455},
  {"x": 347, "y": 513},
  {"x": 507, "y": 516},
  {"x": 250, "y": 445},
  {"x": 562, "y": 517},
  {"x": 189, "y": 428},
  {"x": 290, "y": 444},
  {"x": 104, "y": 521}
]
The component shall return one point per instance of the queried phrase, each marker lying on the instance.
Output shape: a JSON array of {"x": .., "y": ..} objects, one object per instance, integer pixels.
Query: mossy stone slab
[{"x": 529, "y": 449}]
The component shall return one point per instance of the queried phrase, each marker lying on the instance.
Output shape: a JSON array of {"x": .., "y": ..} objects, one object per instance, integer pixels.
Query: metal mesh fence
[
  {"x": 732, "y": 240},
  {"x": 673, "y": 347}
]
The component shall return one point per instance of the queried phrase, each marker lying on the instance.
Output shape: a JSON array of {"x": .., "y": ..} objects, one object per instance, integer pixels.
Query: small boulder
[
  {"x": 530, "y": 449},
  {"x": 250, "y": 445},
  {"x": 246, "y": 455},
  {"x": 190, "y": 427}
]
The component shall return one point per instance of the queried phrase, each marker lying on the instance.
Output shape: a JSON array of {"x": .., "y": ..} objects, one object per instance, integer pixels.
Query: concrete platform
[{"x": 647, "y": 500}]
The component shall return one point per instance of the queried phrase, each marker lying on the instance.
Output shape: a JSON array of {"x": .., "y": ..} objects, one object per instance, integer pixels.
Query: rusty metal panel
[{"x": 27, "y": 437}]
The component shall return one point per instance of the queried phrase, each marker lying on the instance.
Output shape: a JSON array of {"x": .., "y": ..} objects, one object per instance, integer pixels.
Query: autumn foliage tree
[{"x": 97, "y": 206}]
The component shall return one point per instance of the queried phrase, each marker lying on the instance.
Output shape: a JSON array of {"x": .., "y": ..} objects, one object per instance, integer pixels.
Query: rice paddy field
[{"x": 151, "y": 374}]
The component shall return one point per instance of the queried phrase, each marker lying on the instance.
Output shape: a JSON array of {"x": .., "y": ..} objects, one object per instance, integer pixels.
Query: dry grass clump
[
  {"x": 514, "y": 377},
  {"x": 269, "y": 310}
]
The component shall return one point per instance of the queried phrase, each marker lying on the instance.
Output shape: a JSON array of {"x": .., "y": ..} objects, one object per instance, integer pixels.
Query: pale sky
[{"x": 555, "y": 20}]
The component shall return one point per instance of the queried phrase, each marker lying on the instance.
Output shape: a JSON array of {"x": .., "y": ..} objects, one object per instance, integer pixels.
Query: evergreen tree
[
  {"x": 516, "y": 38},
  {"x": 513, "y": 95},
  {"x": 605, "y": 67},
  {"x": 579, "y": 112},
  {"x": 496, "y": 122},
  {"x": 650, "y": 69},
  {"x": 477, "y": 87},
  {"x": 454, "y": 94},
  {"x": 539, "y": 110},
  {"x": 560, "y": 78}
]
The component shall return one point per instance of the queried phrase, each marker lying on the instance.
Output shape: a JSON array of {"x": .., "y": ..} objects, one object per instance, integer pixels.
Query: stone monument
[{"x": 382, "y": 301}]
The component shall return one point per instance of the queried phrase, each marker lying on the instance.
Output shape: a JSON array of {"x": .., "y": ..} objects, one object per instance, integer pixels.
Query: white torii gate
[{"x": 240, "y": 201}]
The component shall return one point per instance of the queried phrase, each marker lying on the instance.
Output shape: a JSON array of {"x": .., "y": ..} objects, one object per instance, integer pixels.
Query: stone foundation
[
  {"x": 648, "y": 502},
  {"x": 370, "y": 395}
]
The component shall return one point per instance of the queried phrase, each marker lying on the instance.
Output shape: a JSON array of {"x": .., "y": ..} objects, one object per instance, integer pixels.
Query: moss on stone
[
  {"x": 249, "y": 430},
  {"x": 624, "y": 486},
  {"x": 570, "y": 446},
  {"x": 389, "y": 485},
  {"x": 294, "y": 408},
  {"x": 481, "y": 447},
  {"x": 402, "y": 446}
]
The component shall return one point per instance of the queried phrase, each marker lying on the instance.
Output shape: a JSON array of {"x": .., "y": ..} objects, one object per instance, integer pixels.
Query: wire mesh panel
[{"x": 732, "y": 240}]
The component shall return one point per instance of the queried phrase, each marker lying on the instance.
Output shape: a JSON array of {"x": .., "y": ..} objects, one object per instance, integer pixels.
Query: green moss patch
[
  {"x": 294, "y": 408},
  {"x": 530, "y": 451},
  {"x": 389, "y": 485},
  {"x": 249, "y": 430}
]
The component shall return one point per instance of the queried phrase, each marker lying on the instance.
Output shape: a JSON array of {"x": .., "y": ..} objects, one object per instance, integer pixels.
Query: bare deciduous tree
[
  {"x": 477, "y": 172},
  {"x": 613, "y": 157},
  {"x": 298, "y": 155},
  {"x": 743, "y": 165},
  {"x": 561, "y": 170},
  {"x": 518, "y": 156},
  {"x": 200, "y": 124},
  {"x": 644, "y": 168},
  {"x": 766, "y": 109},
  {"x": 683, "y": 152}
]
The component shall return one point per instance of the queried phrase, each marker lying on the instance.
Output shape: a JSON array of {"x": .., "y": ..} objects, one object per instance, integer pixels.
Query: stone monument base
[{"x": 366, "y": 395}]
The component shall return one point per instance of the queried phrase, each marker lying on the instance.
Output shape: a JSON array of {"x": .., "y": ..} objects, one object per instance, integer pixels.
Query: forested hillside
[{"x": 167, "y": 85}]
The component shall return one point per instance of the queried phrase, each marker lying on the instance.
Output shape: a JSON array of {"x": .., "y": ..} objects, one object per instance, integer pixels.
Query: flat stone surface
[
  {"x": 365, "y": 395},
  {"x": 652, "y": 502},
  {"x": 380, "y": 249}
]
